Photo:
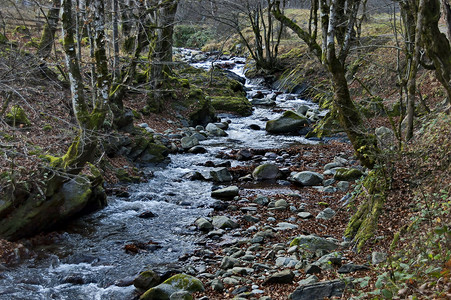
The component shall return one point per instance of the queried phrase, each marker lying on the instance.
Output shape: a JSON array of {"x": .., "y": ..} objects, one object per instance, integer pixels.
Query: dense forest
[{"x": 207, "y": 149}]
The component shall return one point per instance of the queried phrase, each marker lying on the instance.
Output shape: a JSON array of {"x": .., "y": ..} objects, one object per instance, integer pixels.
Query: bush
[{"x": 191, "y": 36}]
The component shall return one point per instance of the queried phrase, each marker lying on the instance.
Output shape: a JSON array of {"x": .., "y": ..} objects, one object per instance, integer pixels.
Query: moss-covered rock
[
  {"x": 235, "y": 105},
  {"x": 345, "y": 174},
  {"x": 177, "y": 283},
  {"x": 201, "y": 110},
  {"x": 36, "y": 212},
  {"x": 17, "y": 116},
  {"x": 289, "y": 122},
  {"x": 146, "y": 280}
]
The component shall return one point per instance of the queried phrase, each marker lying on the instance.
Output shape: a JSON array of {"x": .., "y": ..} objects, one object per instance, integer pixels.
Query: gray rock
[
  {"x": 288, "y": 262},
  {"x": 285, "y": 276},
  {"x": 308, "y": 178},
  {"x": 326, "y": 214},
  {"x": 221, "y": 175},
  {"x": 223, "y": 222},
  {"x": 203, "y": 224},
  {"x": 265, "y": 171},
  {"x": 217, "y": 285},
  {"x": 288, "y": 123},
  {"x": 146, "y": 280},
  {"x": 281, "y": 204},
  {"x": 313, "y": 243},
  {"x": 332, "y": 165},
  {"x": 378, "y": 257},
  {"x": 305, "y": 215},
  {"x": 215, "y": 130},
  {"x": 189, "y": 142},
  {"x": 197, "y": 150},
  {"x": 228, "y": 192},
  {"x": 343, "y": 186},
  {"x": 302, "y": 109},
  {"x": 285, "y": 226},
  {"x": 309, "y": 280},
  {"x": 312, "y": 269},
  {"x": 319, "y": 291},
  {"x": 228, "y": 263},
  {"x": 262, "y": 200},
  {"x": 349, "y": 268},
  {"x": 181, "y": 295},
  {"x": 231, "y": 281}
]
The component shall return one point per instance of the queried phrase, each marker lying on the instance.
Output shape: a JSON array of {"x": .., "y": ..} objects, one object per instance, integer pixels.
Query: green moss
[
  {"x": 347, "y": 174},
  {"x": 22, "y": 29},
  {"x": 235, "y": 105},
  {"x": 323, "y": 204},
  {"x": 47, "y": 127},
  {"x": 17, "y": 116},
  {"x": 3, "y": 39},
  {"x": 179, "y": 282}
]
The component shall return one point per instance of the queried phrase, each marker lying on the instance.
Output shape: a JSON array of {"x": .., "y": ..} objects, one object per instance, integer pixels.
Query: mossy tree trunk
[
  {"x": 48, "y": 33},
  {"x": 89, "y": 119},
  {"x": 161, "y": 52},
  {"x": 334, "y": 61}
]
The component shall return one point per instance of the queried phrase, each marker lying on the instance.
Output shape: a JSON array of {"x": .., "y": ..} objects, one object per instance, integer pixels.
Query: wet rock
[
  {"x": 193, "y": 175},
  {"x": 265, "y": 172},
  {"x": 221, "y": 175},
  {"x": 263, "y": 102},
  {"x": 326, "y": 214},
  {"x": 146, "y": 280},
  {"x": 313, "y": 243},
  {"x": 203, "y": 224},
  {"x": 215, "y": 130},
  {"x": 219, "y": 205},
  {"x": 285, "y": 276},
  {"x": 181, "y": 295},
  {"x": 350, "y": 268},
  {"x": 197, "y": 150},
  {"x": 255, "y": 127},
  {"x": 290, "y": 122},
  {"x": 223, "y": 222},
  {"x": 189, "y": 142},
  {"x": 177, "y": 283},
  {"x": 308, "y": 178},
  {"x": 320, "y": 290},
  {"x": 228, "y": 192},
  {"x": 147, "y": 215},
  {"x": 244, "y": 155},
  {"x": 302, "y": 109}
]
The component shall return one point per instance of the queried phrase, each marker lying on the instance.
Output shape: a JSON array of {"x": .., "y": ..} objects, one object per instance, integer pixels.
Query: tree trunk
[
  {"x": 162, "y": 52},
  {"x": 48, "y": 34}
]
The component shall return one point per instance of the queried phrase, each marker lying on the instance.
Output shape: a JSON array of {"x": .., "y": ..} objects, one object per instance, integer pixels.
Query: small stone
[
  {"x": 228, "y": 263},
  {"x": 228, "y": 192},
  {"x": 326, "y": 214},
  {"x": 378, "y": 257},
  {"x": 285, "y": 276},
  {"x": 312, "y": 269},
  {"x": 305, "y": 215}
]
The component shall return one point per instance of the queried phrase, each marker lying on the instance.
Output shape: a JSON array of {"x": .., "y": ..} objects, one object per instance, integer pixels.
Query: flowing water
[{"x": 88, "y": 260}]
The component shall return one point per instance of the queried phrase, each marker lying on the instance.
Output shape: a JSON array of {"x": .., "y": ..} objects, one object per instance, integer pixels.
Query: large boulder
[
  {"x": 289, "y": 122},
  {"x": 319, "y": 290},
  {"x": 28, "y": 214},
  {"x": 146, "y": 280},
  {"x": 175, "y": 284},
  {"x": 235, "y": 105},
  {"x": 308, "y": 178},
  {"x": 265, "y": 171},
  {"x": 201, "y": 110}
]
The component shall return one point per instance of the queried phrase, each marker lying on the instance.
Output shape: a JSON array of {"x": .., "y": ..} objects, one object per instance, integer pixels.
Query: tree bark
[{"x": 48, "y": 33}]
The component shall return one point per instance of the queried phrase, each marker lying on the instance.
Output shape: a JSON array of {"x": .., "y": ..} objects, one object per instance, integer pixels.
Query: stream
[{"x": 88, "y": 260}]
